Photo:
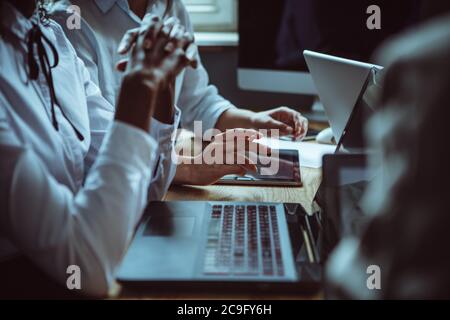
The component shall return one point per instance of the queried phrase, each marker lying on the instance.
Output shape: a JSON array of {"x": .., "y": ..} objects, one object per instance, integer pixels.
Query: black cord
[{"x": 35, "y": 41}]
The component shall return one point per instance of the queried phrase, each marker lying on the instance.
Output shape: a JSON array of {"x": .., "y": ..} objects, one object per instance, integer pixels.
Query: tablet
[{"x": 287, "y": 175}]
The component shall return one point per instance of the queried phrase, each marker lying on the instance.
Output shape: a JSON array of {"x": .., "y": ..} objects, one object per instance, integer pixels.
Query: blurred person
[
  {"x": 103, "y": 22},
  {"x": 407, "y": 236}
]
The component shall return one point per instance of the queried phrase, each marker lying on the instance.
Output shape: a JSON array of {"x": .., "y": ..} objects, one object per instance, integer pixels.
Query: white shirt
[
  {"x": 103, "y": 24},
  {"x": 103, "y": 74},
  {"x": 52, "y": 208}
]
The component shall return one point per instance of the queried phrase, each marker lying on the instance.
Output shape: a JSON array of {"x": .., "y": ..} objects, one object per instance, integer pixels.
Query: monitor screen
[
  {"x": 341, "y": 195},
  {"x": 273, "y": 34},
  {"x": 353, "y": 182}
]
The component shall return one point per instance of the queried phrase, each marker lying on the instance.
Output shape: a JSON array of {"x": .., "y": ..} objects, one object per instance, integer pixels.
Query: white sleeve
[
  {"x": 101, "y": 114},
  {"x": 199, "y": 100},
  {"x": 166, "y": 168},
  {"x": 91, "y": 228}
]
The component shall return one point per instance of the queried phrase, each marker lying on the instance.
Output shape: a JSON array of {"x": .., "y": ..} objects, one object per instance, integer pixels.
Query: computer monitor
[
  {"x": 274, "y": 33},
  {"x": 346, "y": 178}
]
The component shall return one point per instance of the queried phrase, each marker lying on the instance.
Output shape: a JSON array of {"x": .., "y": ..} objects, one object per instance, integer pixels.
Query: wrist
[
  {"x": 136, "y": 101},
  {"x": 165, "y": 107},
  {"x": 185, "y": 174},
  {"x": 236, "y": 118},
  {"x": 253, "y": 120}
]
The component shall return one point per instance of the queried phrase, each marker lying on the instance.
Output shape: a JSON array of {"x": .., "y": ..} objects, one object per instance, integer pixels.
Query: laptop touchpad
[{"x": 170, "y": 226}]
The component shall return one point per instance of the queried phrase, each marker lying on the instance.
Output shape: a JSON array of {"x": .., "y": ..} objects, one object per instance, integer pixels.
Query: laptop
[
  {"x": 341, "y": 197},
  {"x": 242, "y": 247},
  {"x": 347, "y": 89}
]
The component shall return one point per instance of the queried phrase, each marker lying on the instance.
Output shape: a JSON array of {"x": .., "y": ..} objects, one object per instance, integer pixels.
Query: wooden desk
[{"x": 311, "y": 179}]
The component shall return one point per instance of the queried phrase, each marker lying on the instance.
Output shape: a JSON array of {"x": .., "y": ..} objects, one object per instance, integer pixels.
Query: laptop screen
[{"x": 353, "y": 138}]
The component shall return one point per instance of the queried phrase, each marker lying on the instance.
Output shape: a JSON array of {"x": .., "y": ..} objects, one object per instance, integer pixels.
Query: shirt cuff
[
  {"x": 130, "y": 146},
  {"x": 163, "y": 132}
]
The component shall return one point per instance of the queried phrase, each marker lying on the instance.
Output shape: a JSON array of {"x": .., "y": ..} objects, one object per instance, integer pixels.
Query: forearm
[
  {"x": 165, "y": 106},
  {"x": 136, "y": 102},
  {"x": 236, "y": 118}
]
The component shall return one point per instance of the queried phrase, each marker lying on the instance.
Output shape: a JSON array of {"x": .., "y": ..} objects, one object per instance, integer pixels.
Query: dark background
[
  {"x": 222, "y": 63},
  {"x": 333, "y": 27}
]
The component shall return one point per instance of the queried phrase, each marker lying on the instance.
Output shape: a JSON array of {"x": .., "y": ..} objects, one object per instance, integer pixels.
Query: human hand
[
  {"x": 175, "y": 34},
  {"x": 157, "y": 55},
  {"x": 286, "y": 120},
  {"x": 225, "y": 155}
]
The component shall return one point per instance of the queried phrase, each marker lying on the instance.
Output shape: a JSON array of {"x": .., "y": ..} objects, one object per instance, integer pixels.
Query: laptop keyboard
[{"x": 243, "y": 240}]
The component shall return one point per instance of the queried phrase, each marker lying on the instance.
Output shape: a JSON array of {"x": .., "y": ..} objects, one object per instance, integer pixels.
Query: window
[{"x": 213, "y": 15}]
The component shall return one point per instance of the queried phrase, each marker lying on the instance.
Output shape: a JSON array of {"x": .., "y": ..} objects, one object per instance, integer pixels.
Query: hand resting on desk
[{"x": 209, "y": 166}]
